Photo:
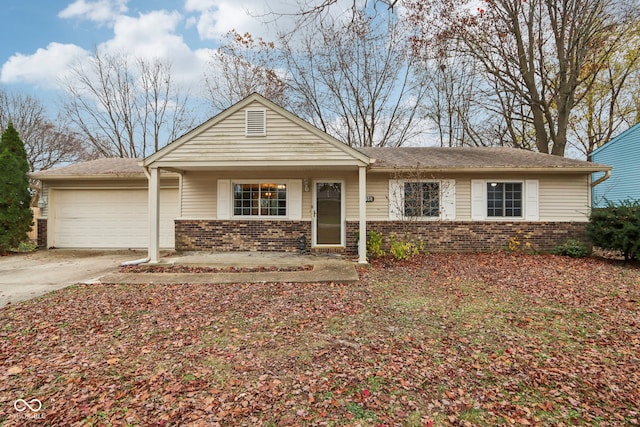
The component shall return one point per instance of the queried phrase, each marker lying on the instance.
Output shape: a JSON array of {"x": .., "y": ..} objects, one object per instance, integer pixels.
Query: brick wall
[
  {"x": 438, "y": 236},
  {"x": 222, "y": 235},
  {"x": 42, "y": 232},
  {"x": 459, "y": 236}
]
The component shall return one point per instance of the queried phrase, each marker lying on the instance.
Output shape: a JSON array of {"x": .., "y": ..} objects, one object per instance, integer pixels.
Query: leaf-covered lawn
[{"x": 463, "y": 339}]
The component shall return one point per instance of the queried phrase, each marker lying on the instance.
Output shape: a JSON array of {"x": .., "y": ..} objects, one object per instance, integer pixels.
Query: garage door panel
[{"x": 110, "y": 218}]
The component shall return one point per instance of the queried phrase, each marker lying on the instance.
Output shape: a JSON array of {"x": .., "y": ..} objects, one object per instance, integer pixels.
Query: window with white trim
[
  {"x": 497, "y": 199},
  {"x": 421, "y": 199},
  {"x": 259, "y": 199},
  {"x": 504, "y": 199}
]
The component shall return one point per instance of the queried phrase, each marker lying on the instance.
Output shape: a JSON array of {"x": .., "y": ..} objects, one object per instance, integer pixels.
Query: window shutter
[
  {"x": 448, "y": 199},
  {"x": 531, "y": 196},
  {"x": 294, "y": 202},
  {"x": 256, "y": 123},
  {"x": 396, "y": 205},
  {"x": 478, "y": 200},
  {"x": 224, "y": 199}
]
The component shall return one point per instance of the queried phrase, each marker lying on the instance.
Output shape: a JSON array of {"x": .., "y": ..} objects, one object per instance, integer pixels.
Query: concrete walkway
[
  {"x": 26, "y": 276},
  {"x": 325, "y": 268}
]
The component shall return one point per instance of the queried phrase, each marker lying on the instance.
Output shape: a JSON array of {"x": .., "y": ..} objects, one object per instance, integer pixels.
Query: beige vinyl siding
[
  {"x": 199, "y": 189},
  {"x": 284, "y": 141},
  {"x": 378, "y": 187},
  {"x": 565, "y": 198},
  {"x": 199, "y": 199},
  {"x": 202, "y": 185},
  {"x": 562, "y": 197}
]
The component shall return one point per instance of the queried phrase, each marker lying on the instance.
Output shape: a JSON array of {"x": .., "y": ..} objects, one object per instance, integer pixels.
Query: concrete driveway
[{"x": 25, "y": 276}]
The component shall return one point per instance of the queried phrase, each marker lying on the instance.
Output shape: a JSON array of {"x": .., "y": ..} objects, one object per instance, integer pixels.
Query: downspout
[
  {"x": 141, "y": 260},
  {"x": 606, "y": 176}
]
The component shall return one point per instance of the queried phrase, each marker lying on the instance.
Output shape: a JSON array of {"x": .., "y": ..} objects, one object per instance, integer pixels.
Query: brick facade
[
  {"x": 477, "y": 236},
  {"x": 238, "y": 235},
  {"x": 438, "y": 236},
  {"x": 42, "y": 232}
]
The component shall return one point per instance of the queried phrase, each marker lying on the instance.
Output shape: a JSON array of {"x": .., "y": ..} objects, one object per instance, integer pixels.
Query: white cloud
[
  {"x": 217, "y": 17},
  {"x": 154, "y": 35},
  {"x": 151, "y": 34},
  {"x": 199, "y": 5},
  {"x": 99, "y": 11},
  {"x": 44, "y": 67}
]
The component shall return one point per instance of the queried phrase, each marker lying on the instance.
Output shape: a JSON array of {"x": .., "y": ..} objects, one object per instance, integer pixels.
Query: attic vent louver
[{"x": 256, "y": 121}]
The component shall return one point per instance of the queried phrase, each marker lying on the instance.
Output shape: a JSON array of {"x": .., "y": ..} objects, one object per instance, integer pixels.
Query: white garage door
[{"x": 109, "y": 218}]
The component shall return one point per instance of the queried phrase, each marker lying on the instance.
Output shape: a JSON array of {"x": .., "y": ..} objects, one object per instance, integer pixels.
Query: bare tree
[
  {"x": 544, "y": 54},
  {"x": 356, "y": 79},
  {"x": 47, "y": 143},
  {"x": 540, "y": 58},
  {"x": 455, "y": 101},
  {"x": 125, "y": 107},
  {"x": 243, "y": 65},
  {"x": 611, "y": 104}
]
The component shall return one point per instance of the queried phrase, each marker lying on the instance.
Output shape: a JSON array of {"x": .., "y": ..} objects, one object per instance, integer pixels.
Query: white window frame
[
  {"x": 530, "y": 200},
  {"x": 446, "y": 202},
  {"x": 225, "y": 199},
  {"x": 259, "y": 183}
]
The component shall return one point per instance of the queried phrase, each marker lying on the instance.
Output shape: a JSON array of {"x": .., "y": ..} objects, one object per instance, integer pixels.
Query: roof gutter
[
  {"x": 493, "y": 170},
  {"x": 606, "y": 176}
]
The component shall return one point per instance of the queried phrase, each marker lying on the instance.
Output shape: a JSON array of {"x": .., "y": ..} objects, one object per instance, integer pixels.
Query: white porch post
[
  {"x": 362, "y": 197},
  {"x": 154, "y": 215}
]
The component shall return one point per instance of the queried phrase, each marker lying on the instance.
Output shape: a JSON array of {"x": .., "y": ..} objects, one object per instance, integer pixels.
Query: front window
[
  {"x": 260, "y": 199},
  {"x": 504, "y": 199},
  {"x": 421, "y": 199}
]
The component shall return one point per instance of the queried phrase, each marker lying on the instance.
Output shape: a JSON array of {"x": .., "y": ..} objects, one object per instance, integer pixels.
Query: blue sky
[{"x": 41, "y": 39}]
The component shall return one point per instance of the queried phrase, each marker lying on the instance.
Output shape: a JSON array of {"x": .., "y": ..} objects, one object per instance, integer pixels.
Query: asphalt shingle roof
[
  {"x": 469, "y": 157},
  {"x": 100, "y": 167},
  {"x": 435, "y": 158}
]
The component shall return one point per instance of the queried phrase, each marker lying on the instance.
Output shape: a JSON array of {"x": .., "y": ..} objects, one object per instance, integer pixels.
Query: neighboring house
[
  {"x": 258, "y": 178},
  {"x": 622, "y": 153}
]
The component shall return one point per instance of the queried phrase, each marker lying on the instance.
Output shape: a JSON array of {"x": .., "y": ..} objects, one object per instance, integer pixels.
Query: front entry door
[{"x": 328, "y": 213}]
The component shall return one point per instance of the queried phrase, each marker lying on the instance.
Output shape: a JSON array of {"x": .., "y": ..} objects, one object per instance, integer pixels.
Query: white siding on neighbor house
[{"x": 226, "y": 141}]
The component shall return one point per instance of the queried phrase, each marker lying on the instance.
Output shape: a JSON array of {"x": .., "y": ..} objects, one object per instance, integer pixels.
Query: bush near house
[{"x": 617, "y": 227}]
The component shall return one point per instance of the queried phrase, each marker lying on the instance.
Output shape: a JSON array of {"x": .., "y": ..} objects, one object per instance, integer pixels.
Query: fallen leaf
[{"x": 14, "y": 370}]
